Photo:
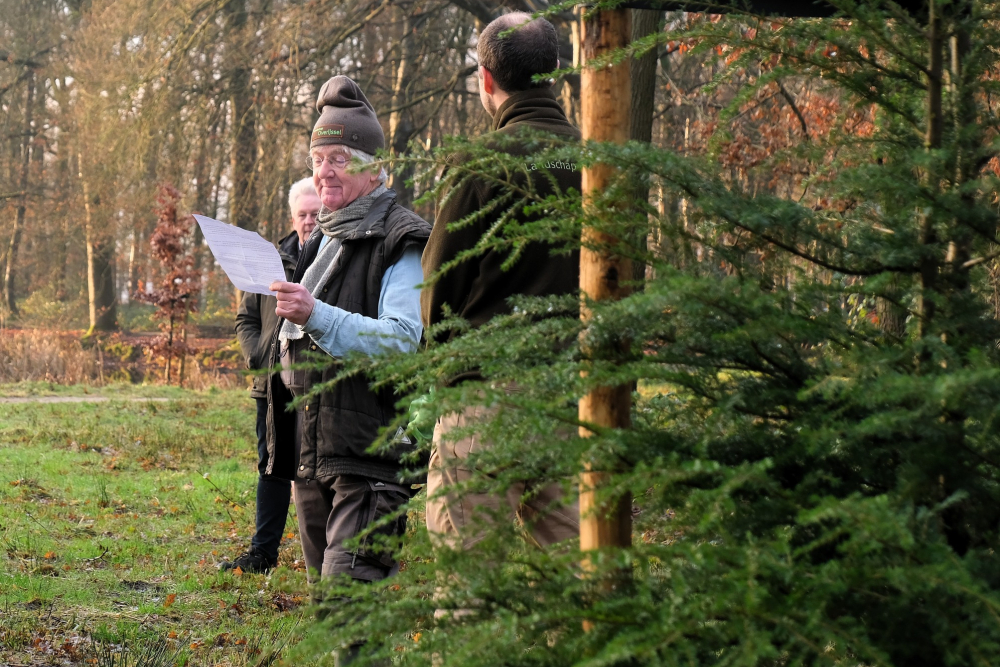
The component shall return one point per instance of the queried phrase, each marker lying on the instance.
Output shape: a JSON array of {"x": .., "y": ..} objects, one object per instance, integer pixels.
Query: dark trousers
[
  {"x": 334, "y": 511},
  {"x": 273, "y": 495}
]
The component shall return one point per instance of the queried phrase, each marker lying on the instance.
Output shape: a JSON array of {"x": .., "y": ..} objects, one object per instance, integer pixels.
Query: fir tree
[{"x": 812, "y": 483}]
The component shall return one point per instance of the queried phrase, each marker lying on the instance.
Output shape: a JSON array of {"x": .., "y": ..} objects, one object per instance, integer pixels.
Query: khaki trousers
[{"x": 546, "y": 514}]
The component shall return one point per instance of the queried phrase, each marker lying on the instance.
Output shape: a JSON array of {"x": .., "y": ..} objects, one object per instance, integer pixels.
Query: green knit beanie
[{"x": 346, "y": 117}]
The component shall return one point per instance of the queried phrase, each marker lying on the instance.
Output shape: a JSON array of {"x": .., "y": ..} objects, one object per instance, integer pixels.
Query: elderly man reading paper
[{"x": 354, "y": 291}]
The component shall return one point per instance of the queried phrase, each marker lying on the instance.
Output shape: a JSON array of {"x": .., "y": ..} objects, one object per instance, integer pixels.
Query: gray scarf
[{"x": 335, "y": 225}]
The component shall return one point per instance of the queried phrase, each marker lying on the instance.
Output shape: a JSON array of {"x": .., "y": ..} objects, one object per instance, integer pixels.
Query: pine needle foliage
[{"x": 812, "y": 486}]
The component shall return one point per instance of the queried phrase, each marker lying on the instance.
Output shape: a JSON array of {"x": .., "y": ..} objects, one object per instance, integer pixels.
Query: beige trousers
[{"x": 545, "y": 514}]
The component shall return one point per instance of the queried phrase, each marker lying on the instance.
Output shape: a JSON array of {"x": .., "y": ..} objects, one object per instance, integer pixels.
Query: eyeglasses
[{"x": 337, "y": 161}]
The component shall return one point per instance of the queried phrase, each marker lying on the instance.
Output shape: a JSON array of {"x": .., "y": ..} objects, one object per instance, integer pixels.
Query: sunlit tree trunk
[
  {"x": 100, "y": 265},
  {"x": 569, "y": 96},
  {"x": 604, "y": 522},
  {"x": 400, "y": 127}
]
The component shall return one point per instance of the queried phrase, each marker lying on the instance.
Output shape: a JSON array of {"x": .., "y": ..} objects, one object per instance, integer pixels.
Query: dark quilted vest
[{"x": 341, "y": 424}]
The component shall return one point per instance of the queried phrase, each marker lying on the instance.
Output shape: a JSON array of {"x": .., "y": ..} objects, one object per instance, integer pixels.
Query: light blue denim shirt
[{"x": 398, "y": 327}]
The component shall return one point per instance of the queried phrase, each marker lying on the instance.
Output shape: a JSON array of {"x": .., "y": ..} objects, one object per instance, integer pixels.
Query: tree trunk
[
  {"x": 100, "y": 266},
  {"x": 10, "y": 273},
  {"x": 569, "y": 96},
  {"x": 203, "y": 188},
  {"x": 891, "y": 318},
  {"x": 645, "y": 22},
  {"x": 133, "y": 275},
  {"x": 929, "y": 264},
  {"x": 400, "y": 127},
  {"x": 243, "y": 197},
  {"x": 605, "y": 102}
]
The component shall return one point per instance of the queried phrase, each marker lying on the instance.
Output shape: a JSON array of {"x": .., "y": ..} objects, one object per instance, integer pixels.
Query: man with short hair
[
  {"x": 305, "y": 206},
  {"x": 514, "y": 51},
  {"x": 256, "y": 322},
  {"x": 353, "y": 291}
]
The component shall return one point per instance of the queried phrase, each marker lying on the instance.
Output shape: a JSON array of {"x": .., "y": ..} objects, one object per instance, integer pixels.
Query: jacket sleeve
[
  {"x": 248, "y": 328},
  {"x": 397, "y": 328},
  {"x": 453, "y": 287}
]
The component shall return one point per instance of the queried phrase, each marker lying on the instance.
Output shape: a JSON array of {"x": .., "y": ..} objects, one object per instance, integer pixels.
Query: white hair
[
  {"x": 368, "y": 158},
  {"x": 298, "y": 189}
]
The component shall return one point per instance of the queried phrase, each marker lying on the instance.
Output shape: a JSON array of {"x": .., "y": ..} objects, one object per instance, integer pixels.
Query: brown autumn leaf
[
  {"x": 170, "y": 600},
  {"x": 238, "y": 572},
  {"x": 49, "y": 555},
  {"x": 171, "y": 635},
  {"x": 285, "y": 602}
]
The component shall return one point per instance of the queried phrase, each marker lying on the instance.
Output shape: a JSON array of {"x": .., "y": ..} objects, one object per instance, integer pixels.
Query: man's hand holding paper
[
  {"x": 295, "y": 303},
  {"x": 250, "y": 261}
]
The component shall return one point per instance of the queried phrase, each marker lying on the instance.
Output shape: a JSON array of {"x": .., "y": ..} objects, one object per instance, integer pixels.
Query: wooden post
[{"x": 605, "y": 113}]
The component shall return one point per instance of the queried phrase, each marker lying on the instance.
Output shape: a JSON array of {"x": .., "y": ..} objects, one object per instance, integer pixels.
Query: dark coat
[
  {"x": 479, "y": 288},
  {"x": 340, "y": 424},
  {"x": 256, "y": 321}
]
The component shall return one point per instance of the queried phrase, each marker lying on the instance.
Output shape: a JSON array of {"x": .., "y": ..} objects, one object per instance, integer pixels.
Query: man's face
[
  {"x": 336, "y": 187},
  {"x": 304, "y": 212}
]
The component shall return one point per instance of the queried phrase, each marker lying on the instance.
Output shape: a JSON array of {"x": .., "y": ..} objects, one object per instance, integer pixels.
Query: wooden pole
[{"x": 605, "y": 113}]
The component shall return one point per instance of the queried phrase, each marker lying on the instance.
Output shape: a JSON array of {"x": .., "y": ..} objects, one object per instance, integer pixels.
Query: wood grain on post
[{"x": 605, "y": 113}]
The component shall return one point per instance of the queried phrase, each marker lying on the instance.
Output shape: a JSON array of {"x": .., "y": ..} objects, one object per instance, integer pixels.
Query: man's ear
[{"x": 487, "y": 77}]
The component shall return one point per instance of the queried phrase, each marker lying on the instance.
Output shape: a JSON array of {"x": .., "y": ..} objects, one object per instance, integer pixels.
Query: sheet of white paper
[{"x": 250, "y": 261}]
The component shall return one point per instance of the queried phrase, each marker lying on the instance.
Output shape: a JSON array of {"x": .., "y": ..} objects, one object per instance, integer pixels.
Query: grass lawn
[
  {"x": 114, "y": 390},
  {"x": 113, "y": 516}
]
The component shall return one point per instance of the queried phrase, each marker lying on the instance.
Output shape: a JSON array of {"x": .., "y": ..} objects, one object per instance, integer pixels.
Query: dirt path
[{"x": 76, "y": 399}]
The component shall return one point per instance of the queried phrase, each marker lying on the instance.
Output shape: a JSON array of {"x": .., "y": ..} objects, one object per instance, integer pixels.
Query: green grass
[
  {"x": 112, "y": 518},
  {"x": 121, "y": 390}
]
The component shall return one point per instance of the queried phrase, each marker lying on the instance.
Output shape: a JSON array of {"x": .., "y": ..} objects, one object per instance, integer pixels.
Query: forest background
[
  {"x": 102, "y": 103},
  {"x": 808, "y": 346}
]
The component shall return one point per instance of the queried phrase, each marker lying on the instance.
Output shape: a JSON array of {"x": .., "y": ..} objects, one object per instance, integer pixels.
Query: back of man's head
[{"x": 531, "y": 48}]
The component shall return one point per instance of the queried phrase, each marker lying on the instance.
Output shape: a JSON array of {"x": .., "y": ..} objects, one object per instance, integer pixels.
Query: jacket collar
[
  {"x": 528, "y": 105},
  {"x": 288, "y": 247},
  {"x": 372, "y": 226}
]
